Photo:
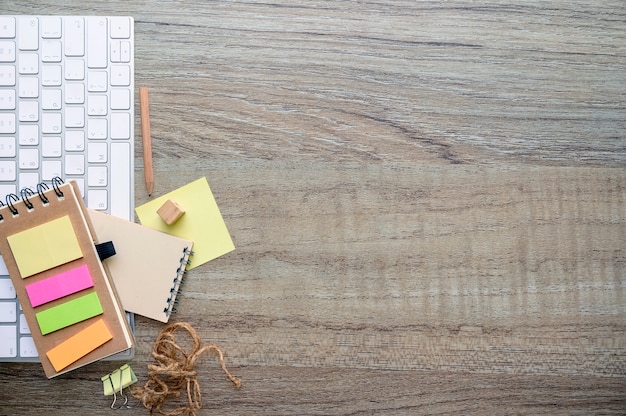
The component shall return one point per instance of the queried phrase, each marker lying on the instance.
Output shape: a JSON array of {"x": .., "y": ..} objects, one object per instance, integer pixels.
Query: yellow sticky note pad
[
  {"x": 202, "y": 223},
  {"x": 45, "y": 246},
  {"x": 79, "y": 345}
]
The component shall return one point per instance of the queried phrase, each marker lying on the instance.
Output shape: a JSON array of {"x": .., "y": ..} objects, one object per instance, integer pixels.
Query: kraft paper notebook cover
[
  {"x": 148, "y": 266},
  {"x": 71, "y": 307}
]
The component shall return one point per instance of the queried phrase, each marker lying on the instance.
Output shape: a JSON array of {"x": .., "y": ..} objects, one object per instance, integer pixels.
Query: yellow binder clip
[{"x": 117, "y": 381}]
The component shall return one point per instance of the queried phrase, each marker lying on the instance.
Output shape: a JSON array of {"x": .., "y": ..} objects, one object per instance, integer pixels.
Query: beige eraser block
[{"x": 170, "y": 212}]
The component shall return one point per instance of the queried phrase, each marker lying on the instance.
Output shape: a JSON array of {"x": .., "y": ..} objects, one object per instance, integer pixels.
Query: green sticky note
[
  {"x": 45, "y": 246},
  {"x": 69, "y": 313}
]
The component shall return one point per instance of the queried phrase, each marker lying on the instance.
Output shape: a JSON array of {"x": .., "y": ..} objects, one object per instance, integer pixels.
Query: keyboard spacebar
[{"x": 121, "y": 176}]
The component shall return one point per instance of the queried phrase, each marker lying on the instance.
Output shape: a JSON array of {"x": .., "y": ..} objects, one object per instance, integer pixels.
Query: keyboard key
[
  {"x": 116, "y": 51},
  {"x": 29, "y": 111},
  {"x": 8, "y": 346},
  {"x": 74, "y": 93},
  {"x": 8, "y": 312},
  {"x": 7, "y": 99},
  {"x": 97, "y": 176},
  {"x": 120, "y": 180},
  {"x": 27, "y": 347},
  {"x": 7, "y": 170},
  {"x": 97, "y": 129},
  {"x": 120, "y": 27},
  {"x": 5, "y": 189},
  {"x": 97, "y": 152},
  {"x": 7, "y": 147},
  {"x": 74, "y": 164},
  {"x": 28, "y": 158},
  {"x": 120, "y": 75},
  {"x": 75, "y": 69},
  {"x": 125, "y": 51},
  {"x": 7, "y": 27},
  {"x": 120, "y": 99},
  {"x": 7, "y": 75},
  {"x": 51, "y": 50},
  {"x": 28, "y": 33},
  {"x": 120, "y": 126},
  {"x": 7, "y": 123},
  {"x": 29, "y": 87},
  {"x": 97, "y": 199},
  {"x": 74, "y": 117},
  {"x": 97, "y": 81},
  {"x": 24, "y": 329},
  {"x": 7, "y": 291},
  {"x": 50, "y": 27},
  {"x": 51, "y": 123},
  {"x": 28, "y": 63},
  {"x": 51, "y": 75},
  {"x": 97, "y": 48},
  {"x": 97, "y": 105},
  {"x": 51, "y": 146},
  {"x": 28, "y": 135},
  {"x": 74, "y": 36},
  {"x": 28, "y": 179},
  {"x": 51, "y": 169},
  {"x": 7, "y": 51},
  {"x": 74, "y": 140},
  {"x": 51, "y": 99}
]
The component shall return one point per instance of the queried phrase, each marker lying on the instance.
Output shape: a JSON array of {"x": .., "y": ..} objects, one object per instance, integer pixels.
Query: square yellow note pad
[{"x": 202, "y": 223}]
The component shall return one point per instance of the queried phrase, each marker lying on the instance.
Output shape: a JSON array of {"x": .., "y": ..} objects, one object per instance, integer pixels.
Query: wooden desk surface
[{"x": 427, "y": 199}]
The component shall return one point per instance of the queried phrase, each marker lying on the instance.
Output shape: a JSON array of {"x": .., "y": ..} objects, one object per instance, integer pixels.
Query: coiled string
[{"x": 175, "y": 371}]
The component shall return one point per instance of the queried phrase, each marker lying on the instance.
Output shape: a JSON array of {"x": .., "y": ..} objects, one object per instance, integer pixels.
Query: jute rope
[{"x": 175, "y": 371}]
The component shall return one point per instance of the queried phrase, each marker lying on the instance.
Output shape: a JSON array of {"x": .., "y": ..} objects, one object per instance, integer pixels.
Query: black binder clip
[{"x": 105, "y": 250}]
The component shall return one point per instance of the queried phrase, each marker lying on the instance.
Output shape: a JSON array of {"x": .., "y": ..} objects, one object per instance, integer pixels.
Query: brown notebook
[
  {"x": 148, "y": 267},
  {"x": 70, "y": 304}
]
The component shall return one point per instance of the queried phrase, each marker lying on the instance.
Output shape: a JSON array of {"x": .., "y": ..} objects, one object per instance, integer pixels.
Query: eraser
[{"x": 170, "y": 212}]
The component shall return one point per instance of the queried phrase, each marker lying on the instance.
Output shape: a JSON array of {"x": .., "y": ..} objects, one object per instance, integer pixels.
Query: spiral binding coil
[
  {"x": 177, "y": 283},
  {"x": 26, "y": 193}
]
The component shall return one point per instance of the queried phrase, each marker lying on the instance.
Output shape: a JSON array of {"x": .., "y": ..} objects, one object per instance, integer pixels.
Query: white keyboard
[{"x": 67, "y": 110}]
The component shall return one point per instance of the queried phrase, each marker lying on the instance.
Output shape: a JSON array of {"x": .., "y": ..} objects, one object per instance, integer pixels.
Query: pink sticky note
[{"x": 59, "y": 285}]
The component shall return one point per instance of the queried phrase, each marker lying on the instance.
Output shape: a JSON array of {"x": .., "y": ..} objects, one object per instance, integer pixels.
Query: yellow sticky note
[
  {"x": 45, "y": 246},
  {"x": 202, "y": 223},
  {"x": 118, "y": 380},
  {"x": 79, "y": 345}
]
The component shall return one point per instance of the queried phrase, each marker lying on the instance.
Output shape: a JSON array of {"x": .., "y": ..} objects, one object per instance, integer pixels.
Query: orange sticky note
[{"x": 79, "y": 345}]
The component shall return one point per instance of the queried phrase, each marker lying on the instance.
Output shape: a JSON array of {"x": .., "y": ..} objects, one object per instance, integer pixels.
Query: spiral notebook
[
  {"x": 70, "y": 305},
  {"x": 148, "y": 267}
]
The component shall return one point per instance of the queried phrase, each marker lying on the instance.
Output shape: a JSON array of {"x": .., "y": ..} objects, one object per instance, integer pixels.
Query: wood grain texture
[{"x": 427, "y": 200}]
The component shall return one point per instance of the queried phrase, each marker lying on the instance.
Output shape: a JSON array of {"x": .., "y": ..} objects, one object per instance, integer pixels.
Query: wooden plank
[{"x": 427, "y": 200}]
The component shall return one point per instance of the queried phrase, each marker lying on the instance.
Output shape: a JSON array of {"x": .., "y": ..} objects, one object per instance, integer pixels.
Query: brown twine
[{"x": 174, "y": 371}]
